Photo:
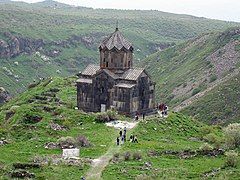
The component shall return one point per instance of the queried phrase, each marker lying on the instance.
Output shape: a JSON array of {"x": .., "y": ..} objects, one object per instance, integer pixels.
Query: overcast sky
[{"x": 217, "y": 9}]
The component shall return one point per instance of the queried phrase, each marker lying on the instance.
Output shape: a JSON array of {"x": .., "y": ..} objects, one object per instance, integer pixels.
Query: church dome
[{"x": 116, "y": 40}]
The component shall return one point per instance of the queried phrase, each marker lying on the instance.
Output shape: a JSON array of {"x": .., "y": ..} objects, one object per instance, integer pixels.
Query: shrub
[
  {"x": 66, "y": 123},
  {"x": 102, "y": 117},
  {"x": 206, "y": 130},
  {"x": 33, "y": 85},
  {"x": 116, "y": 157},
  {"x": 82, "y": 141},
  {"x": 137, "y": 156},
  {"x": 218, "y": 143},
  {"x": 232, "y": 132},
  {"x": 30, "y": 118},
  {"x": 212, "y": 138},
  {"x": 213, "y": 78},
  {"x": 67, "y": 142},
  {"x": 127, "y": 156},
  {"x": 231, "y": 158},
  {"x": 196, "y": 91},
  {"x": 112, "y": 115},
  {"x": 206, "y": 147}
]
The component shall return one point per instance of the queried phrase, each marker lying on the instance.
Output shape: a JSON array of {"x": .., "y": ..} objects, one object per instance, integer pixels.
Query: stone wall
[
  {"x": 84, "y": 96},
  {"x": 116, "y": 59}
]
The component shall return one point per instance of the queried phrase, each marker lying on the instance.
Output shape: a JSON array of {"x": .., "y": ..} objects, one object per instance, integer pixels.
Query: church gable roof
[
  {"x": 116, "y": 40},
  {"x": 132, "y": 74},
  {"x": 114, "y": 76},
  {"x": 90, "y": 70}
]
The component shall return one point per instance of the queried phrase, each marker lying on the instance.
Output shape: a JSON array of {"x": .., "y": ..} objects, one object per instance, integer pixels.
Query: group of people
[
  {"x": 137, "y": 116},
  {"x": 133, "y": 138},
  {"x": 123, "y": 135},
  {"x": 163, "y": 108}
]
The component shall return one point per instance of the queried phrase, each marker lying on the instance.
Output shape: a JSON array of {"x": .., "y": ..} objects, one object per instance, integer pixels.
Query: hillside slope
[
  {"x": 220, "y": 105},
  {"x": 49, "y": 38},
  {"x": 190, "y": 70},
  {"x": 35, "y": 122}
]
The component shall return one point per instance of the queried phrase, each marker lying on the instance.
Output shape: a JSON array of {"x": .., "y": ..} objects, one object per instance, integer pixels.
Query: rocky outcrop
[
  {"x": 153, "y": 47},
  {"x": 16, "y": 45},
  {"x": 4, "y": 96}
]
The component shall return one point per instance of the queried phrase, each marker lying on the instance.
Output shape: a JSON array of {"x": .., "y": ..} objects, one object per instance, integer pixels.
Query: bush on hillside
[
  {"x": 103, "y": 117},
  {"x": 33, "y": 85},
  {"x": 30, "y": 118},
  {"x": 212, "y": 78},
  {"x": 206, "y": 147},
  {"x": 137, "y": 156},
  {"x": 232, "y": 132},
  {"x": 127, "y": 156},
  {"x": 82, "y": 141},
  {"x": 196, "y": 91},
  {"x": 211, "y": 138},
  {"x": 205, "y": 130},
  {"x": 70, "y": 142},
  {"x": 112, "y": 115},
  {"x": 67, "y": 142},
  {"x": 231, "y": 159}
]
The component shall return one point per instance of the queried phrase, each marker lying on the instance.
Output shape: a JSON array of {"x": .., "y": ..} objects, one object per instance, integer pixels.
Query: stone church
[{"x": 115, "y": 83}]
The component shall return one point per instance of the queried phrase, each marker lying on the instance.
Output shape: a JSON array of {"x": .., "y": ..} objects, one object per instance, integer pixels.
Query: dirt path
[
  {"x": 99, "y": 164},
  {"x": 192, "y": 99}
]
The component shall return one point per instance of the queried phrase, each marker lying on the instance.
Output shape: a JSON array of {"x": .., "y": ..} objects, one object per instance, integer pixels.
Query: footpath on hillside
[{"x": 99, "y": 164}]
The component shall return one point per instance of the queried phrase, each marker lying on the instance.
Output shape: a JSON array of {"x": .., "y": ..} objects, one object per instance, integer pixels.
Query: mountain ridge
[{"x": 149, "y": 31}]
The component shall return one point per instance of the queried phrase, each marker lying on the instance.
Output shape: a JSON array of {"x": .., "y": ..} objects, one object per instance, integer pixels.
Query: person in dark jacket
[
  {"x": 117, "y": 141},
  {"x": 120, "y": 133}
]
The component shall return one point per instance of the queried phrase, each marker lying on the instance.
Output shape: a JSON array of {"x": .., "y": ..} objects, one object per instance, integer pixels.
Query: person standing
[
  {"x": 166, "y": 110},
  {"x": 122, "y": 139},
  {"x": 117, "y": 141},
  {"x": 131, "y": 138},
  {"x": 135, "y": 139},
  {"x": 120, "y": 133},
  {"x": 143, "y": 116},
  {"x": 125, "y": 131}
]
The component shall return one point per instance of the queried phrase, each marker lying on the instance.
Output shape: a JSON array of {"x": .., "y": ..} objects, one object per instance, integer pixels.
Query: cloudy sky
[{"x": 217, "y": 9}]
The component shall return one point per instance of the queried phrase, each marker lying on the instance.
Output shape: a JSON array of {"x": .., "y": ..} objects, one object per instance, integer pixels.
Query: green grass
[
  {"x": 157, "y": 134},
  {"x": 220, "y": 105},
  {"x": 27, "y": 140},
  {"x": 173, "y": 133},
  {"x": 185, "y": 70}
]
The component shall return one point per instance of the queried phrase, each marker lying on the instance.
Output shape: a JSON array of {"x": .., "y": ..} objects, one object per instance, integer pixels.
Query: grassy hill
[
  {"x": 164, "y": 153},
  {"x": 187, "y": 71},
  {"x": 165, "y": 145},
  {"x": 29, "y": 129},
  {"x": 70, "y": 36},
  {"x": 220, "y": 105}
]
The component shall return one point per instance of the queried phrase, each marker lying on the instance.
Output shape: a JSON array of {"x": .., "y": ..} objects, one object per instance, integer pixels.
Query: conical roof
[{"x": 116, "y": 40}]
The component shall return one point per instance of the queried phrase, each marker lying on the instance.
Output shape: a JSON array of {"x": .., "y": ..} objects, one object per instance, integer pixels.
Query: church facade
[{"x": 115, "y": 83}]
